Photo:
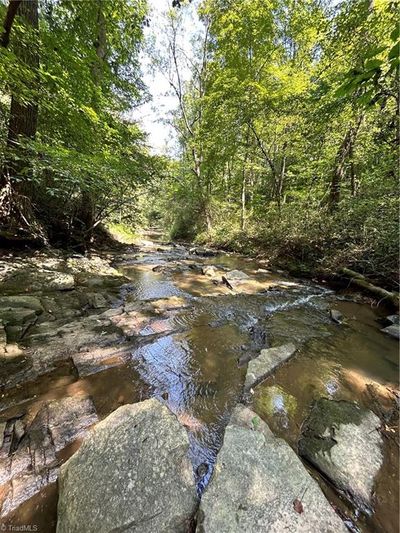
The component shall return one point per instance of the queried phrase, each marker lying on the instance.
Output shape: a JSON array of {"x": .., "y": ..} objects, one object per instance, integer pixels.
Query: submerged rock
[
  {"x": 209, "y": 270},
  {"x": 336, "y": 316},
  {"x": 259, "y": 484},
  {"x": 205, "y": 252},
  {"x": 393, "y": 331},
  {"x": 99, "y": 359},
  {"x": 28, "y": 453},
  {"x": 268, "y": 360},
  {"x": 343, "y": 442},
  {"x": 393, "y": 319},
  {"x": 276, "y": 402},
  {"x": 131, "y": 473}
]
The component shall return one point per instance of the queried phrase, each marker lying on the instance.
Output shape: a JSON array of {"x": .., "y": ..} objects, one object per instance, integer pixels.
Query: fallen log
[{"x": 360, "y": 281}]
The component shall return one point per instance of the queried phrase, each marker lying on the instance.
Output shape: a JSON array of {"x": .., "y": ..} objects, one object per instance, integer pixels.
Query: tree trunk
[
  {"x": 353, "y": 174},
  {"x": 243, "y": 202},
  {"x": 244, "y": 185},
  {"x": 340, "y": 163},
  {"x": 23, "y": 117},
  {"x": 16, "y": 196},
  {"x": 8, "y": 22},
  {"x": 280, "y": 180},
  {"x": 363, "y": 283},
  {"x": 87, "y": 209}
]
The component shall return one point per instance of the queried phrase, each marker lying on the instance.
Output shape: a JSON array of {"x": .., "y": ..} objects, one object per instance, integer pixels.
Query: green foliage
[
  {"x": 122, "y": 233},
  {"x": 87, "y": 80},
  {"x": 295, "y": 132}
]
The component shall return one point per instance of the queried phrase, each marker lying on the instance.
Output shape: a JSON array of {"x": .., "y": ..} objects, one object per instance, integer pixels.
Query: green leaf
[
  {"x": 375, "y": 51},
  {"x": 395, "y": 51},
  {"x": 395, "y": 33},
  {"x": 394, "y": 64},
  {"x": 373, "y": 64},
  {"x": 365, "y": 76}
]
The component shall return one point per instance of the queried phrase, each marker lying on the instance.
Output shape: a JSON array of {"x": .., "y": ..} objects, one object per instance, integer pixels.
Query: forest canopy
[
  {"x": 289, "y": 131},
  {"x": 70, "y": 156},
  {"x": 287, "y": 126}
]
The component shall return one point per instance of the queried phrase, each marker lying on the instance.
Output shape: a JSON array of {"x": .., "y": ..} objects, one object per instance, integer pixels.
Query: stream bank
[{"x": 87, "y": 334}]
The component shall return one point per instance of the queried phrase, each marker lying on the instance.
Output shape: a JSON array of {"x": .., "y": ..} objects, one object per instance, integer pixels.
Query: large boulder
[
  {"x": 343, "y": 441},
  {"x": 259, "y": 484},
  {"x": 268, "y": 360},
  {"x": 16, "y": 321},
  {"x": 132, "y": 473}
]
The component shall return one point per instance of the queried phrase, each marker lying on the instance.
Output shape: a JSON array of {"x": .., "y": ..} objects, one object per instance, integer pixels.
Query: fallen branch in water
[{"x": 363, "y": 283}]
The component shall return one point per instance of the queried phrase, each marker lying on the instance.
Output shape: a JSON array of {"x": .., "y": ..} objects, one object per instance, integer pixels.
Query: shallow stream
[{"x": 181, "y": 334}]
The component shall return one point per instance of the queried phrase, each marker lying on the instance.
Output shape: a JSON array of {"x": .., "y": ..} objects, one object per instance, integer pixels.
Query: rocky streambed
[{"x": 296, "y": 383}]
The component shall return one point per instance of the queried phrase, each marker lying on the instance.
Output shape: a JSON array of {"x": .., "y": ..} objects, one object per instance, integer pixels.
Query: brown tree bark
[
  {"x": 354, "y": 182},
  {"x": 23, "y": 117},
  {"x": 340, "y": 163},
  {"x": 244, "y": 182},
  {"x": 363, "y": 283},
  {"x": 87, "y": 208},
  {"x": 8, "y": 22},
  {"x": 15, "y": 196}
]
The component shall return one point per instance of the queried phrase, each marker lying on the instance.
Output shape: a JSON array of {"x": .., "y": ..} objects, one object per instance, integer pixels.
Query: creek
[{"x": 147, "y": 322}]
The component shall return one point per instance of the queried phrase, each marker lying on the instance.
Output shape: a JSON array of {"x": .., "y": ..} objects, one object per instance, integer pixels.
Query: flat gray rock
[
  {"x": 58, "y": 281},
  {"x": 257, "y": 483},
  {"x": 132, "y": 473},
  {"x": 99, "y": 359},
  {"x": 393, "y": 319},
  {"x": 268, "y": 360},
  {"x": 21, "y": 300},
  {"x": 236, "y": 275},
  {"x": 342, "y": 441}
]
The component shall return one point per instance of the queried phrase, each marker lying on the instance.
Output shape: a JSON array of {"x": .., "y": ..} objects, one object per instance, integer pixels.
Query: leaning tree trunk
[{"x": 8, "y": 22}]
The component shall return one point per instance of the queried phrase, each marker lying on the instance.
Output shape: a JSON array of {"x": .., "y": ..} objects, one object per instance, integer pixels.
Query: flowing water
[{"x": 190, "y": 333}]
